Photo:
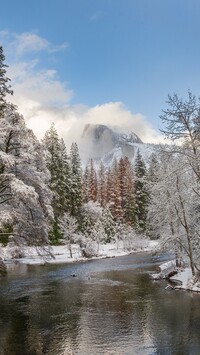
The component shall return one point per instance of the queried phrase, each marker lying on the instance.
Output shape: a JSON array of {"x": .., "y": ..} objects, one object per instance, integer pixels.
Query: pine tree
[
  {"x": 108, "y": 224},
  {"x": 5, "y": 88},
  {"x": 122, "y": 181},
  {"x": 141, "y": 193},
  {"x": 129, "y": 193},
  {"x": 92, "y": 182},
  {"x": 85, "y": 222},
  {"x": 102, "y": 185},
  {"x": 85, "y": 185},
  {"x": 58, "y": 164},
  {"x": 153, "y": 169},
  {"x": 76, "y": 182},
  {"x": 55, "y": 165},
  {"x": 115, "y": 201},
  {"x": 108, "y": 185},
  {"x": 66, "y": 173}
]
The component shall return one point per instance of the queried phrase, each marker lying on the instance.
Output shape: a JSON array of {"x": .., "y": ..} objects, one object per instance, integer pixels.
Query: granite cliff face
[{"x": 107, "y": 143}]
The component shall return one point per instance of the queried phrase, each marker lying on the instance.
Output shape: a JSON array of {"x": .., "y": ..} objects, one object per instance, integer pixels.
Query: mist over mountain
[{"x": 106, "y": 143}]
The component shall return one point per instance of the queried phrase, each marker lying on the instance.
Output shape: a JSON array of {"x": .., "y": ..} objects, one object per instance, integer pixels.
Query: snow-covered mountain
[{"x": 107, "y": 143}]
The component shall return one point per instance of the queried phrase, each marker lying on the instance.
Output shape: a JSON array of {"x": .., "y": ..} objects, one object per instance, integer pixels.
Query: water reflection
[{"x": 112, "y": 307}]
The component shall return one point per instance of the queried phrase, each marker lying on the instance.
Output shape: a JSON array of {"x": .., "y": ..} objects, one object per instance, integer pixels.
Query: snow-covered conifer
[
  {"x": 5, "y": 88},
  {"x": 102, "y": 185},
  {"x": 108, "y": 224},
  {"x": 85, "y": 185},
  {"x": 92, "y": 182},
  {"x": 141, "y": 193},
  {"x": 76, "y": 181},
  {"x": 98, "y": 233},
  {"x": 23, "y": 165},
  {"x": 54, "y": 162}
]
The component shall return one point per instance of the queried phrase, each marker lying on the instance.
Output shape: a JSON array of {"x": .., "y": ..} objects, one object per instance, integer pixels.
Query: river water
[{"x": 112, "y": 307}]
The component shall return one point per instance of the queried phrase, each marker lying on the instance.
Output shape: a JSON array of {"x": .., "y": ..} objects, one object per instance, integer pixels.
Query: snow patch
[{"x": 61, "y": 254}]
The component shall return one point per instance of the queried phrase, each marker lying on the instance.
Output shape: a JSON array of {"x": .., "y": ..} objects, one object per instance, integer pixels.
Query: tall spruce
[
  {"x": 55, "y": 165},
  {"x": 86, "y": 185},
  {"x": 76, "y": 182},
  {"x": 66, "y": 173},
  {"x": 141, "y": 194},
  {"x": 5, "y": 88},
  {"x": 129, "y": 193},
  {"x": 92, "y": 182},
  {"x": 102, "y": 185},
  {"x": 115, "y": 200},
  {"x": 60, "y": 178},
  {"x": 108, "y": 224}
]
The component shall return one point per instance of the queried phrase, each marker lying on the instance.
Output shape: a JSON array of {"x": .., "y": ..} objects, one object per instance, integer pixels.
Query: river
[{"x": 111, "y": 307}]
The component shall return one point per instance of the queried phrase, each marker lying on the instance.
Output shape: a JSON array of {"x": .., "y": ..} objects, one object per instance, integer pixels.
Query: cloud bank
[{"x": 42, "y": 97}]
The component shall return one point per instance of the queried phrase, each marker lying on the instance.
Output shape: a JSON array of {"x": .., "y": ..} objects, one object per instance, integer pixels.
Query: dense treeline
[
  {"x": 119, "y": 194},
  {"x": 47, "y": 197}
]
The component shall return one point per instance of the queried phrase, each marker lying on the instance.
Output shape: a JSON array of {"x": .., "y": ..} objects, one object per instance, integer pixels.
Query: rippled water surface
[{"x": 111, "y": 307}]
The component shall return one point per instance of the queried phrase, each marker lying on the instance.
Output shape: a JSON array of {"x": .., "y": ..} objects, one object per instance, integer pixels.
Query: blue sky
[{"x": 100, "y": 60}]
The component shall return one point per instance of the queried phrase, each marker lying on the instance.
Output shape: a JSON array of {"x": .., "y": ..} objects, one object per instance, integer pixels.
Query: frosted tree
[
  {"x": 25, "y": 198},
  {"x": 181, "y": 120},
  {"x": 90, "y": 213},
  {"x": 102, "y": 185},
  {"x": 66, "y": 173},
  {"x": 85, "y": 221},
  {"x": 54, "y": 162},
  {"x": 76, "y": 181},
  {"x": 141, "y": 193},
  {"x": 23, "y": 167},
  {"x": 114, "y": 193},
  {"x": 153, "y": 169},
  {"x": 5, "y": 88},
  {"x": 108, "y": 185},
  {"x": 68, "y": 227},
  {"x": 128, "y": 192},
  {"x": 173, "y": 210},
  {"x": 58, "y": 164},
  {"x": 92, "y": 182},
  {"x": 108, "y": 224},
  {"x": 85, "y": 185},
  {"x": 98, "y": 233}
]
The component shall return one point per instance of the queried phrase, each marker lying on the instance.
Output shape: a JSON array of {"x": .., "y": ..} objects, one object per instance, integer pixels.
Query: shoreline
[
  {"x": 61, "y": 254},
  {"x": 182, "y": 278}
]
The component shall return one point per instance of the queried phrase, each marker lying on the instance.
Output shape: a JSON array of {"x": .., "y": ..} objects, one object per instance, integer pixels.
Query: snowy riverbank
[
  {"x": 61, "y": 254},
  {"x": 181, "y": 277}
]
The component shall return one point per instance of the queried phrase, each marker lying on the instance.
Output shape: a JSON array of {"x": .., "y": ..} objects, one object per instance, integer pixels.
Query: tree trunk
[
  {"x": 3, "y": 269},
  {"x": 70, "y": 250}
]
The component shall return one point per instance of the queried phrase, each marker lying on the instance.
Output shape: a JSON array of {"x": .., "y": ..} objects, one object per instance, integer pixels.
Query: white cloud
[
  {"x": 29, "y": 42},
  {"x": 115, "y": 113},
  {"x": 43, "y": 98}
]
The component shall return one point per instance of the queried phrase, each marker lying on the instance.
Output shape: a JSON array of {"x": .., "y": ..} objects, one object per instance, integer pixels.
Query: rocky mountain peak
[
  {"x": 107, "y": 143},
  {"x": 110, "y": 135}
]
